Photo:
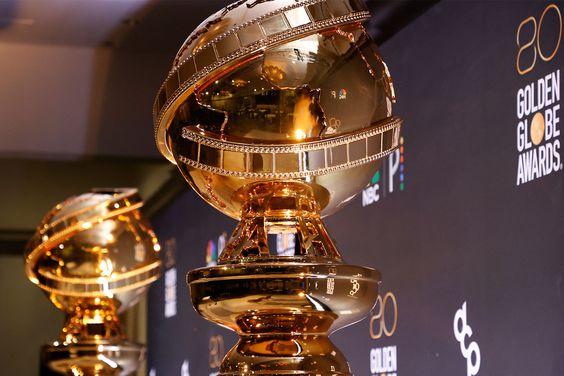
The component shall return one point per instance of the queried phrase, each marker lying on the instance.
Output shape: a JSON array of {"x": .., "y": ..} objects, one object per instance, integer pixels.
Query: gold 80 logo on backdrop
[
  {"x": 538, "y": 101},
  {"x": 529, "y": 40},
  {"x": 383, "y": 323},
  {"x": 379, "y": 324}
]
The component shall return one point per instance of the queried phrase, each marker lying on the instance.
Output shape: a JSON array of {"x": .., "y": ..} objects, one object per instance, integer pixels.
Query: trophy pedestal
[
  {"x": 93, "y": 359},
  {"x": 283, "y": 312}
]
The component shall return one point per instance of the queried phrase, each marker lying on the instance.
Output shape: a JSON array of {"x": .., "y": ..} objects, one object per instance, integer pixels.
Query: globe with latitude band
[
  {"x": 94, "y": 255},
  {"x": 278, "y": 113}
]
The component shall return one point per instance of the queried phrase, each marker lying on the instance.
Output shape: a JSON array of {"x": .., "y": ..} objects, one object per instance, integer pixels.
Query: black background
[{"x": 460, "y": 231}]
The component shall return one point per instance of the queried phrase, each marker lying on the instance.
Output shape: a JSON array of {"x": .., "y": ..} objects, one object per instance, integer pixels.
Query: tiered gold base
[{"x": 284, "y": 312}]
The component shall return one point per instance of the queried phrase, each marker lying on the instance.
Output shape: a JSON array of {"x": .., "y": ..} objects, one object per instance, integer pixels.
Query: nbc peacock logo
[
  {"x": 213, "y": 249},
  {"x": 388, "y": 179}
]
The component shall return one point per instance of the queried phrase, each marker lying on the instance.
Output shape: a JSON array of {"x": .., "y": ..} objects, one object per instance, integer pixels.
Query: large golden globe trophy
[
  {"x": 278, "y": 113},
  {"x": 94, "y": 255}
]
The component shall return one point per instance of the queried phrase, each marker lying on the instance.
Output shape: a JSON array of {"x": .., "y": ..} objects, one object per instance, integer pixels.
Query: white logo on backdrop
[
  {"x": 384, "y": 361},
  {"x": 461, "y": 331},
  {"x": 185, "y": 369},
  {"x": 170, "y": 292},
  {"x": 375, "y": 191}
]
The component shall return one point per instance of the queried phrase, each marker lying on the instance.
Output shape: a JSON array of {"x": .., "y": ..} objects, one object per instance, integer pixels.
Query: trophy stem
[
  {"x": 93, "y": 319},
  {"x": 93, "y": 343},
  {"x": 279, "y": 207}
]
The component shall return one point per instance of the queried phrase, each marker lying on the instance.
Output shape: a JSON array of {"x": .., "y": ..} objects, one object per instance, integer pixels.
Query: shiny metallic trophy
[
  {"x": 278, "y": 113},
  {"x": 94, "y": 255}
]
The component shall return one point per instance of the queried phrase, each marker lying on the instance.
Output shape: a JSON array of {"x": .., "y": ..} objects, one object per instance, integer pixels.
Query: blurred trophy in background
[
  {"x": 278, "y": 113},
  {"x": 94, "y": 255}
]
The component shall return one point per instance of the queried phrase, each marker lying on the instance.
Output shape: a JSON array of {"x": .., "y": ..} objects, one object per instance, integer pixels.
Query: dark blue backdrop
[{"x": 461, "y": 229}]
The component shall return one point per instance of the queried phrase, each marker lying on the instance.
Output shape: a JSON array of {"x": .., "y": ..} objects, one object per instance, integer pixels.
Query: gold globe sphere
[{"x": 276, "y": 91}]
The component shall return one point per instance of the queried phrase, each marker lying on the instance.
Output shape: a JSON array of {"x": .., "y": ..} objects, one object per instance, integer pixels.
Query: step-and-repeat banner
[{"x": 465, "y": 220}]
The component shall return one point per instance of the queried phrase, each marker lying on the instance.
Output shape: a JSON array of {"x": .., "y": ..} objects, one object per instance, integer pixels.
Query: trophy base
[
  {"x": 93, "y": 359},
  {"x": 284, "y": 312}
]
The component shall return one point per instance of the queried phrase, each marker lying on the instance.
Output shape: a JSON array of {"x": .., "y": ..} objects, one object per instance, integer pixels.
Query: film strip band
[
  {"x": 264, "y": 32},
  {"x": 52, "y": 233},
  {"x": 288, "y": 161},
  {"x": 97, "y": 287}
]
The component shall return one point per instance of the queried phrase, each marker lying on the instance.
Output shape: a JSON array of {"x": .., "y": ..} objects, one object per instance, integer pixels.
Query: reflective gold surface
[
  {"x": 283, "y": 312},
  {"x": 283, "y": 307},
  {"x": 244, "y": 31},
  {"x": 94, "y": 255},
  {"x": 277, "y": 114}
]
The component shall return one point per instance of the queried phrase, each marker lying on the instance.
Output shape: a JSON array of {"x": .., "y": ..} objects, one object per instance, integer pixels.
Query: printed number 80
[
  {"x": 536, "y": 38},
  {"x": 378, "y": 324}
]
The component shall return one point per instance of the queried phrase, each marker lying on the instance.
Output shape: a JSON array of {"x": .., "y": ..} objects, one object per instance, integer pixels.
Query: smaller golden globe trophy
[
  {"x": 278, "y": 113},
  {"x": 94, "y": 255}
]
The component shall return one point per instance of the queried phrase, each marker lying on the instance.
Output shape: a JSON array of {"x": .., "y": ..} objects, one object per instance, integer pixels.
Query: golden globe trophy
[
  {"x": 94, "y": 255},
  {"x": 278, "y": 113}
]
